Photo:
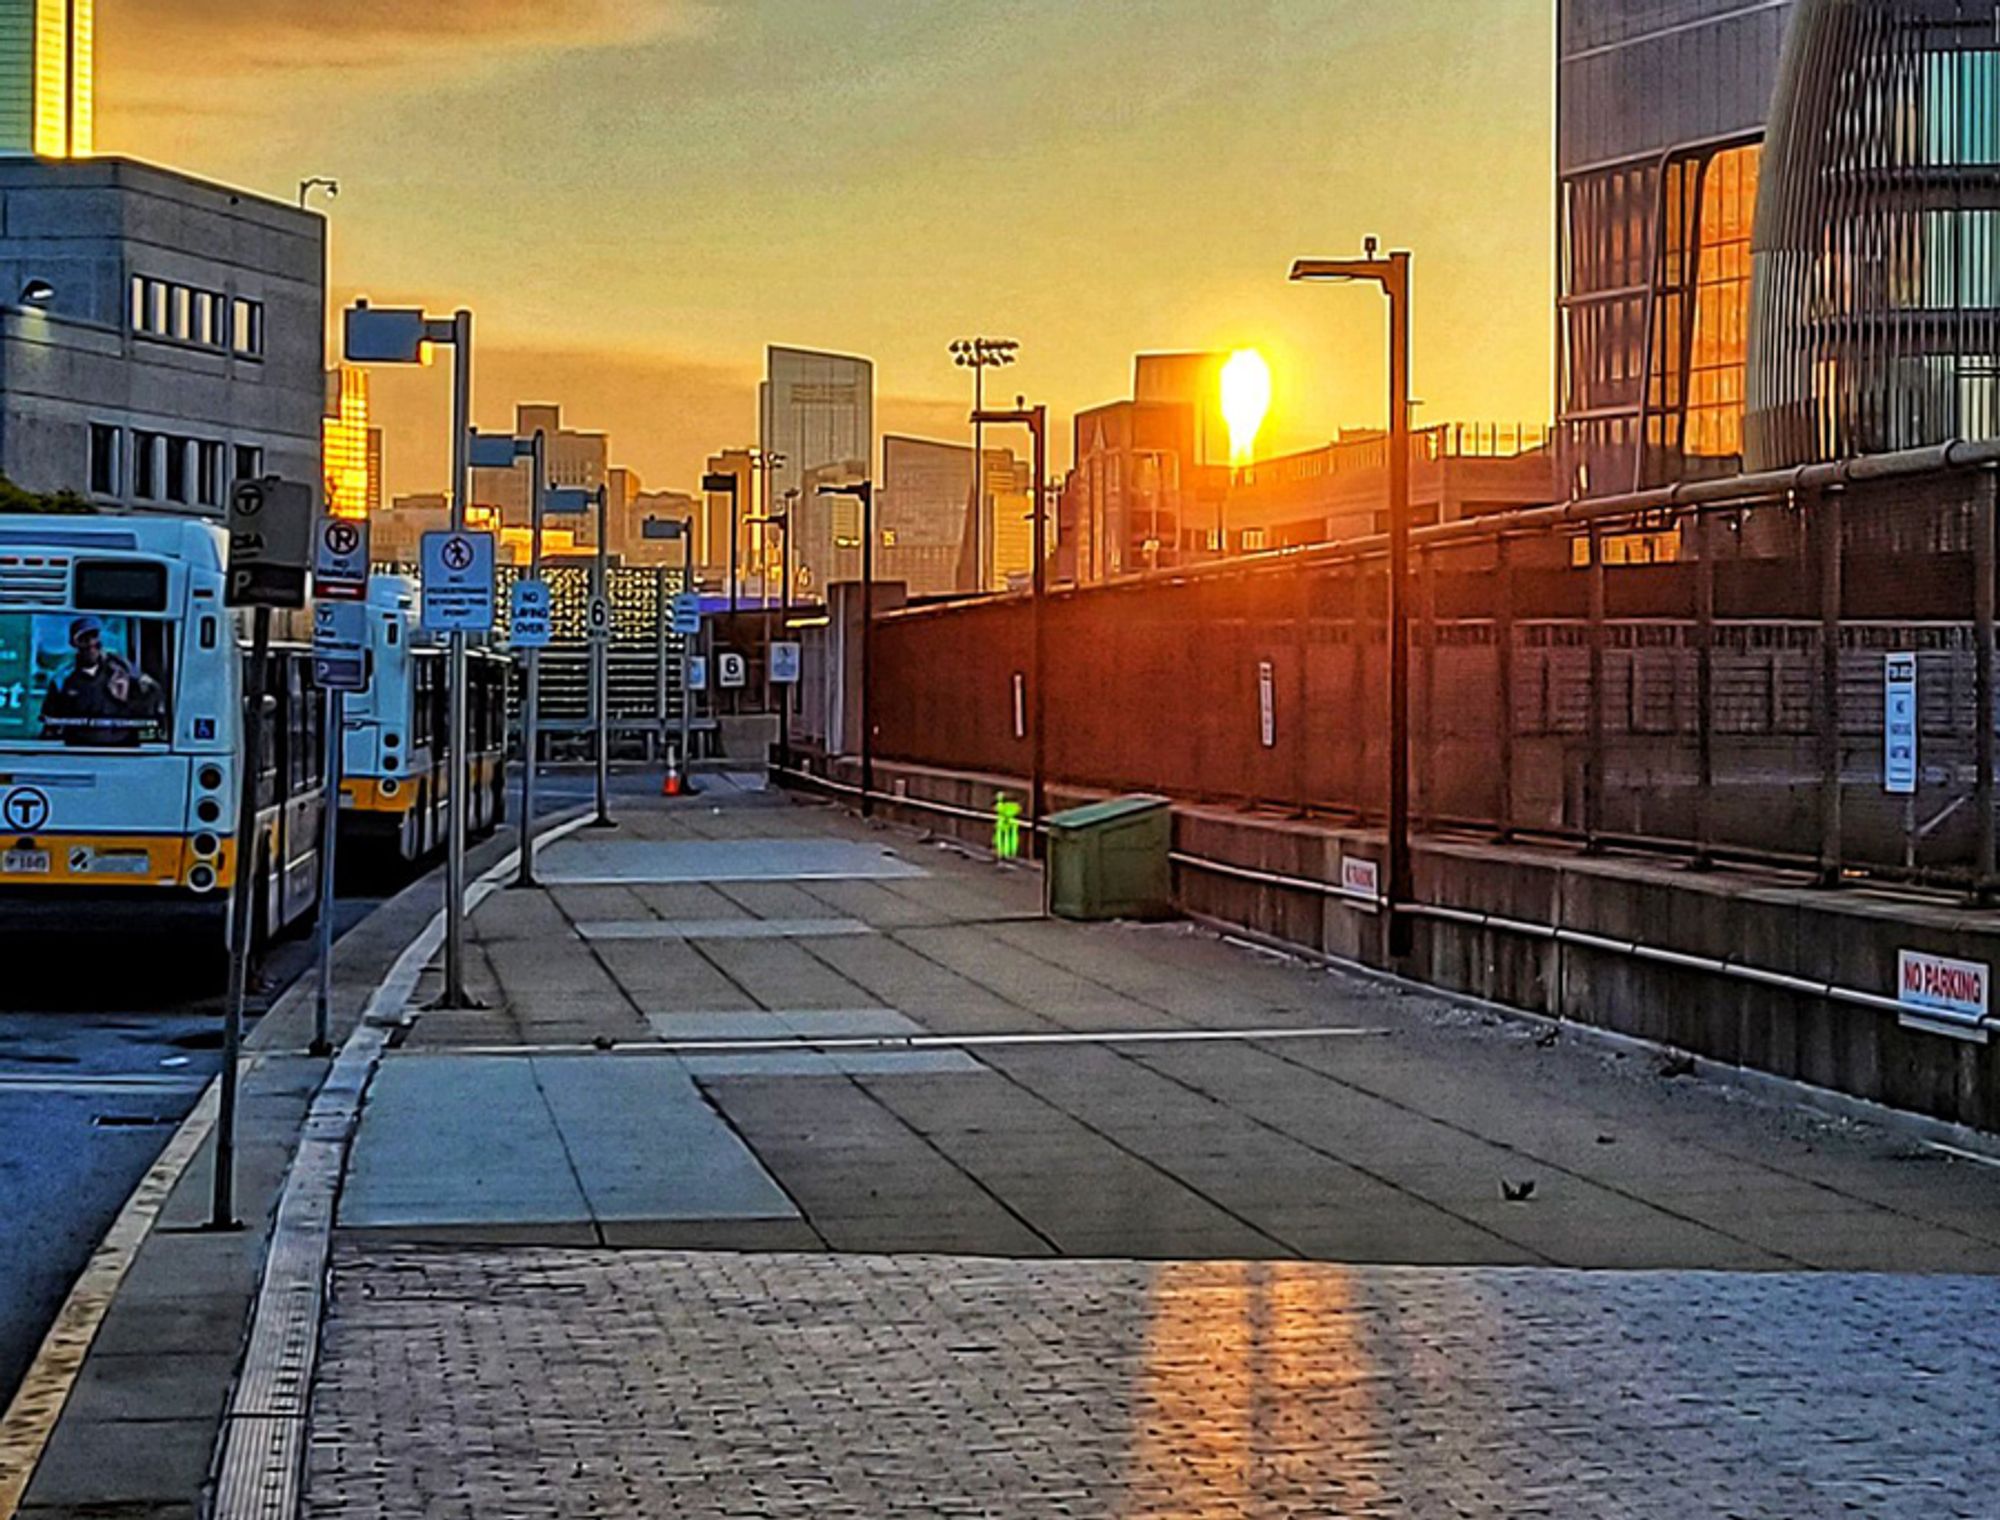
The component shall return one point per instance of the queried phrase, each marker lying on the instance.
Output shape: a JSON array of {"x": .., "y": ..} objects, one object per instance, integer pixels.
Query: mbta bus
[
  {"x": 395, "y": 788},
  {"x": 122, "y": 676},
  {"x": 121, "y": 702}
]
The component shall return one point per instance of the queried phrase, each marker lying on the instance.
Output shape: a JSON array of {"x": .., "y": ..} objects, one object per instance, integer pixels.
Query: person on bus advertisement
[{"x": 102, "y": 700}]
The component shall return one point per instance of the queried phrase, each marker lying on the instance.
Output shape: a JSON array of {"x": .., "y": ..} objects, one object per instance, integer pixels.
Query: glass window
[
  {"x": 249, "y": 462},
  {"x": 103, "y": 459},
  {"x": 84, "y": 680},
  {"x": 156, "y": 306},
  {"x": 146, "y": 465},
  {"x": 183, "y": 307},
  {"x": 138, "y": 313},
  {"x": 247, "y": 326},
  {"x": 204, "y": 318},
  {"x": 177, "y": 468},
  {"x": 208, "y": 474}
]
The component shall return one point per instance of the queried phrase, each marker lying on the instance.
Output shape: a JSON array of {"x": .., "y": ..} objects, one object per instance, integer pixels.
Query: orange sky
[{"x": 636, "y": 195}]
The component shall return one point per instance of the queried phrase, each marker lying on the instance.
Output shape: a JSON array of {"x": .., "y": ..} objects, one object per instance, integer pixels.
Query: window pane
[{"x": 103, "y": 459}]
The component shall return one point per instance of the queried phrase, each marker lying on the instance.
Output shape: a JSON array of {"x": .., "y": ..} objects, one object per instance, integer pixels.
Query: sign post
[
  {"x": 270, "y": 546},
  {"x": 340, "y": 665}
]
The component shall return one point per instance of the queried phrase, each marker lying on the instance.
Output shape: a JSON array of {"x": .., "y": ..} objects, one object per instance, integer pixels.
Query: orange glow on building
[
  {"x": 349, "y": 463},
  {"x": 61, "y": 81}
]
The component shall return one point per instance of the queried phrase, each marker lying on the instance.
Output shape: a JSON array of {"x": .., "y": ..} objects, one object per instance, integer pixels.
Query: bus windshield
[{"x": 85, "y": 680}]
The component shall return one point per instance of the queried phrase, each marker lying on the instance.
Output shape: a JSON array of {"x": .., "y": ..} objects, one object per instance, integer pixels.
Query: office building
[
  {"x": 925, "y": 506},
  {"x": 352, "y": 449},
  {"x": 1661, "y": 107},
  {"x": 46, "y": 78},
  {"x": 1877, "y": 265},
  {"x": 817, "y": 410},
  {"x": 160, "y": 336}
]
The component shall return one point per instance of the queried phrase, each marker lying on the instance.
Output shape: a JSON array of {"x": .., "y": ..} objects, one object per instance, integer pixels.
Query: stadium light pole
[
  {"x": 1036, "y": 420},
  {"x": 387, "y": 335},
  {"x": 1392, "y": 274},
  {"x": 979, "y": 355},
  {"x": 864, "y": 492}
]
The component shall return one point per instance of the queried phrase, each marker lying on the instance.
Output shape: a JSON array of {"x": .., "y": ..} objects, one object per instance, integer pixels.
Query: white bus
[
  {"x": 395, "y": 779},
  {"x": 121, "y": 700}
]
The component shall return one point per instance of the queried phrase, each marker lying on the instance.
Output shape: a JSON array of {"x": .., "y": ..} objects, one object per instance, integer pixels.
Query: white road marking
[{"x": 774, "y": 1043}]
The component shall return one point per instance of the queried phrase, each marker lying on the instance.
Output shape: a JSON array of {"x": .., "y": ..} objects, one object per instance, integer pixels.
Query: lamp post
[
  {"x": 399, "y": 336},
  {"x": 979, "y": 355},
  {"x": 762, "y": 463},
  {"x": 1392, "y": 274},
  {"x": 574, "y": 501},
  {"x": 782, "y": 521},
  {"x": 719, "y": 484},
  {"x": 864, "y": 492},
  {"x": 502, "y": 451},
  {"x": 1036, "y": 419}
]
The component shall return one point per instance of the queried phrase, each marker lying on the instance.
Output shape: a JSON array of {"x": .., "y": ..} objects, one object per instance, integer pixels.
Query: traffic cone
[{"x": 670, "y": 784}]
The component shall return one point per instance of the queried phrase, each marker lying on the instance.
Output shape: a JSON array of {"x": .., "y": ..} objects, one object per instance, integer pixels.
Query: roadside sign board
[
  {"x": 697, "y": 672},
  {"x": 732, "y": 670},
  {"x": 1267, "y": 704},
  {"x": 1939, "y": 991},
  {"x": 270, "y": 542},
  {"x": 458, "y": 582},
  {"x": 600, "y": 620},
  {"x": 1361, "y": 878},
  {"x": 687, "y": 614},
  {"x": 340, "y": 559},
  {"x": 1899, "y": 724},
  {"x": 785, "y": 662},
  {"x": 340, "y": 646},
  {"x": 528, "y": 615}
]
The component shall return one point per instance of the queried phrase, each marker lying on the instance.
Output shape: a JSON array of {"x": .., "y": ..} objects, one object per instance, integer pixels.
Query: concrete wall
[
  {"x": 87, "y": 227},
  {"x": 1757, "y": 921}
]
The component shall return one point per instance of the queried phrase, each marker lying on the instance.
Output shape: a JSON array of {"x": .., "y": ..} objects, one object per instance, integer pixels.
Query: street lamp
[
  {"x": 979, "y": 355},
  {"x": 1392, "y": 274},
  {"x": 762, "y": 463},
  {"x": 782, "y": 521},
  {"x": 718, "y": 484},
  {"x": 318, "y": 182},
  {"x": 864, "y": 492},
  {"x": 575, "y": 501},
  {"x": 399, "y": 335},
  {"x": 37, "y": 293},
  {"x": 501, "y": 451},
  {"x": 1036, "y": 419}
]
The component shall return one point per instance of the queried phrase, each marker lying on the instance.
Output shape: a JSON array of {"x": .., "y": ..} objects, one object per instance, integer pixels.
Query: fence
[
  {"x": 644, "y": 676},
  {"x": 1732, "y": 700}
]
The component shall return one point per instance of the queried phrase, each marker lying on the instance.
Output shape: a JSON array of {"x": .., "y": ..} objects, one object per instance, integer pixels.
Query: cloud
[{"x": 237, "y": 37}]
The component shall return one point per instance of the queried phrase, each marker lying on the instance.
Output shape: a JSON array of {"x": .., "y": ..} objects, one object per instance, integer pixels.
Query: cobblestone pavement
[{"x": 611, "y": 1384}]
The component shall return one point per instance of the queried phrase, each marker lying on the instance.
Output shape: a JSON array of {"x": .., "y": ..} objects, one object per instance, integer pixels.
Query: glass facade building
[
  {"x": 46, "y": 78},
  {"x": 1877, "y": 252},
  {"x": 1661, "y": 107},
  {"x": 818, "y": 411}
]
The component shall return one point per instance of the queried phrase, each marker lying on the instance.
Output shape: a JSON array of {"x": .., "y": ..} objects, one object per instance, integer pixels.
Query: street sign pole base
[
  {"x": 602, "y": 823},
  {"x": 221, "y": 1227},
  {"x": 446, "y": 1003}
]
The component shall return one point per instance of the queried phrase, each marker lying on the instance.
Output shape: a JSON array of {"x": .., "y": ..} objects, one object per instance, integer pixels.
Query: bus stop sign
[{"x": 270, "y": 542}]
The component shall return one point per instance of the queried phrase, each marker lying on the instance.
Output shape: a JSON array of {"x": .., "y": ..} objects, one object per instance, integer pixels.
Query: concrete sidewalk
[{"x": 739, "y": 1198}]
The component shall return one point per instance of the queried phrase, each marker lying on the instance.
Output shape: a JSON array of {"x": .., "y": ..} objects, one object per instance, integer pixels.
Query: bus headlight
[
  {"x": 201, "y": 878},
  {"x": 390, "y": 788},
  {"x": 206, "y": 845},
  {"x": 208, "y": 810},
  {"x": 210, "y": 777}
]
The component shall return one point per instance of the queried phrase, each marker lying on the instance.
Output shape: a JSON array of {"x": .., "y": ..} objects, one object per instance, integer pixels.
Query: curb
[
  {"x": 262, "y": 1446},
  {"x": 30, "y": 1423}
]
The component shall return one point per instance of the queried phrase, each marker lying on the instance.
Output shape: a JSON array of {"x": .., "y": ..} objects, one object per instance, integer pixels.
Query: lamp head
[{"x": 37, "y": 293}]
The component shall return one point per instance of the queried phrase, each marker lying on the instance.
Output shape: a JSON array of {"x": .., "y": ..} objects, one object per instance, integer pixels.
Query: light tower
[{"x": 46, "y": 84}]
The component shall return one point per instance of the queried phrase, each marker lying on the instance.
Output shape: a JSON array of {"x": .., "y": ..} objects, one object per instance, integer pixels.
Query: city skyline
[{"x": 470, "y": 139}]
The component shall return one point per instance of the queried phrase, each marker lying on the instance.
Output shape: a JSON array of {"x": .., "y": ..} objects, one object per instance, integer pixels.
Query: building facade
[
  {"x": 160, "y": 336},
  {"x": 1877, "y": 253},
  {"x": 817, "y": 410},
  {"x": 1661, "y": 109},
  {"x": 926, "y": 511},
  {"x": 46, "y": 78},
  {"x": 352, "y": 450}
]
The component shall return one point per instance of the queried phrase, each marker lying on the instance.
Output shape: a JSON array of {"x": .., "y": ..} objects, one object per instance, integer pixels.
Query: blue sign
[
  {"x": 458, "y": 582},
  {"x": 698, "y": 672},
  {"x": 1899, "y": 725},
  {"x": 528, "y": 615},
  {"x": 687, "y": 614},
  {"x": 785, "y": 664}
]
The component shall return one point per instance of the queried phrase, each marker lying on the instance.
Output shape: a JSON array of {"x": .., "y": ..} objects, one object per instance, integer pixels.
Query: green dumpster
[{"x": 1110, "y": 860}]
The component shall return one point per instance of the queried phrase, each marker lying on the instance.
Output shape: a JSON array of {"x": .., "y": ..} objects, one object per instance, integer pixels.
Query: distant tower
[{"x": 45, "y": 78}]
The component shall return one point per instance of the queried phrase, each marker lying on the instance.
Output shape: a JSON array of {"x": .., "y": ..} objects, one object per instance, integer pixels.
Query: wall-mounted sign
[
  {"x": 1942, "y": 993},
  {"x": 1899, "y": 725},
  {"x": 1267, "y": 704},
  {"x": 1361, "y": 879}
]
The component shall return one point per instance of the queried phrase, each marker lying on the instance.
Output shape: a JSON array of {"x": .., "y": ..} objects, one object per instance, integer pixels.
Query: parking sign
[
  {"x": 340, "y": 559},
  {"x": 458, "y": 582},
  {"x": 340, "y": 646}
]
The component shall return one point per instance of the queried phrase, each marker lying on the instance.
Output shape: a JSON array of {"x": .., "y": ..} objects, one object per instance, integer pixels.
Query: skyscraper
[
  {"x": 45, "y": 78},
  {"x": 1661, "y": 107},
  {"x": 818, "y": 411}
]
